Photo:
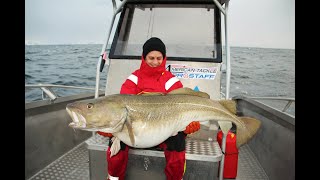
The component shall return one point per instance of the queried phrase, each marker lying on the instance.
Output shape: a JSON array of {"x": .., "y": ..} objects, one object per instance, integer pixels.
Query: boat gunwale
[
  {"x": 282, "y": 118},
  {"x": 59, "y": 100}
]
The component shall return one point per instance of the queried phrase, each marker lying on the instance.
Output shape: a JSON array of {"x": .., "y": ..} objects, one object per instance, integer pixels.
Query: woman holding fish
[{"x": 152, "y": 77}]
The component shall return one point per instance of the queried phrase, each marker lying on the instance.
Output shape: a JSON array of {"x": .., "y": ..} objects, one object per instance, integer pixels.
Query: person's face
[{"x": 154, "y": 58}]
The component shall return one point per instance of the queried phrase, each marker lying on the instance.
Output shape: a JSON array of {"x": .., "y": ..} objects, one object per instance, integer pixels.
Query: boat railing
[
  {"x": 289, "y": 99},
  {"x": 47, "y": 91},
  {"x": 286, "y": 107}
]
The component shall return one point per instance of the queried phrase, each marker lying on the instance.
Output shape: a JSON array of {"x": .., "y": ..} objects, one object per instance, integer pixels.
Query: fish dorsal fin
[
  {"x": 189, "y": 91},
  {"x": 230, "y": 105},
  {"x": 151, "y": 94}
]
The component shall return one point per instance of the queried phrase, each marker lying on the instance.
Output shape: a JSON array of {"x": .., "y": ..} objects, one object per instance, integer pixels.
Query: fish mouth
[{"x": 78, "y": 121}]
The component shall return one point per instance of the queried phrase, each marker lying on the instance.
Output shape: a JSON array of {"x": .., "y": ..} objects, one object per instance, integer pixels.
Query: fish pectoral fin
[
  {"x": 130, "y": 130},
  {"x": 115, "y": 147},
  {"x": 189, "y": 91}
]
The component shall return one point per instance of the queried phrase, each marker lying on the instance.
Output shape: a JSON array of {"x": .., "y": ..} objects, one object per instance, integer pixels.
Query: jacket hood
[{"x": 152, "y": 71}]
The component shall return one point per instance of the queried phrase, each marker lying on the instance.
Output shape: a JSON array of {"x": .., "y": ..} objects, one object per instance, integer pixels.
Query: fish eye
[{"x": 90, "y": 106}]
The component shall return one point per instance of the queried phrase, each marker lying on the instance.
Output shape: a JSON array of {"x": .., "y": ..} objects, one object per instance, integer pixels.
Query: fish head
[{"x": 104, "y": 113}]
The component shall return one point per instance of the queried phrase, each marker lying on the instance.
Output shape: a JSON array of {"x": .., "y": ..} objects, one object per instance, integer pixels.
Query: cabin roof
[{"x": 175, "y": 1}]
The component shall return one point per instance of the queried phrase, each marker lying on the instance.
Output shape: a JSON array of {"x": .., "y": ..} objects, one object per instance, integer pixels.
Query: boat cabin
[{"x": 191, "y": 31}]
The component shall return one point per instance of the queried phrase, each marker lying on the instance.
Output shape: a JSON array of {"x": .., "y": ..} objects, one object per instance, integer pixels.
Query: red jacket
[{"x": 150, "y": 79}]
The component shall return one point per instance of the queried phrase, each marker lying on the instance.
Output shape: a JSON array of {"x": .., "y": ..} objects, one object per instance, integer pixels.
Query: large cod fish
[{"x": 144, "y": 121}]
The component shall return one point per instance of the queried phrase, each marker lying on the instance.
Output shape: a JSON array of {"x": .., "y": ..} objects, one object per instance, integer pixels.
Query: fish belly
[{"x": 148, "y": 135}]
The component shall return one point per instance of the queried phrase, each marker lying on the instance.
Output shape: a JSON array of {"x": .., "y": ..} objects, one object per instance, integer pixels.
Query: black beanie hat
[{"x": 154, "y": 44}]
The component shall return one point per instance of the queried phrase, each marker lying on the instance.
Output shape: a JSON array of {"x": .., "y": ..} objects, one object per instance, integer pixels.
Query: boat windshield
[{"x": 189, "y": 31}]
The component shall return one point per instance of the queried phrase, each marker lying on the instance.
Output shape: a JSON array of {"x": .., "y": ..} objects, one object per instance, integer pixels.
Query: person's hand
[
  {"x": 105, "y": 134},
  {"x": 192, "y": 127}
]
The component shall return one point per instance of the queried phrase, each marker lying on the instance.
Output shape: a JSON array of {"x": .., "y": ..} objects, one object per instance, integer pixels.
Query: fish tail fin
[{"x": 244, "y": 134}]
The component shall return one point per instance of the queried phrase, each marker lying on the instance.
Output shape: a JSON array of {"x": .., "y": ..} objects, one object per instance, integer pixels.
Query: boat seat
[
  {"x": 199, "y": 150},
  {"x": 202, "y": 158}
]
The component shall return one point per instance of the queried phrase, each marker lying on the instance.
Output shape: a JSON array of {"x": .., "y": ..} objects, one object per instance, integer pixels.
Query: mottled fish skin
[{"x": 146, "y": 121}]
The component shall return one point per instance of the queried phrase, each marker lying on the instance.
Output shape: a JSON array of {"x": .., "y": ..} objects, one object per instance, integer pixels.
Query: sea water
[{"x": 254, "y": 71}]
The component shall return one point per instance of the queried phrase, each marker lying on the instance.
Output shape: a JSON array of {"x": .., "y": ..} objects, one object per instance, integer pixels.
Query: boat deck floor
[{"x": 74, "y": 165}]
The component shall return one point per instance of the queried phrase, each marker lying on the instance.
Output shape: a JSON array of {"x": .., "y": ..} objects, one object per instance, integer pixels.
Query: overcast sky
[{"x": 252, "y": 23}]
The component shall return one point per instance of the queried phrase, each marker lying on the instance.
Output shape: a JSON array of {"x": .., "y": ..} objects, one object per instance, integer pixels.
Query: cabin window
[{"x": 189, "y": 31}]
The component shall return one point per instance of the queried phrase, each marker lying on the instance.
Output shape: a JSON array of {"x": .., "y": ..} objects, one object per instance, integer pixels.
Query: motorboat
[{"x": 196, "y": 35}]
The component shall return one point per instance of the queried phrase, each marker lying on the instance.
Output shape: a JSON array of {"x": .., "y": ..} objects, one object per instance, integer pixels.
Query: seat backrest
[{"x": 203, "y": 76}]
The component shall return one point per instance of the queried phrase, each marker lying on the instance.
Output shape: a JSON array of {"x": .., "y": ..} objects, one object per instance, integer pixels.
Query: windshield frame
[{"x": 216, "y": 40}]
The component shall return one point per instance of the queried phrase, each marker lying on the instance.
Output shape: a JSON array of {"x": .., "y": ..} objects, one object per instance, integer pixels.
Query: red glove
[
  {"x": 105, "y": 134},
  {"x": 192, "y": 127}
]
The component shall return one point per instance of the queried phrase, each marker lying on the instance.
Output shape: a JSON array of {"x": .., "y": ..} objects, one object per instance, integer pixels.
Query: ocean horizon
[{"x": 255, "y": 71}]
